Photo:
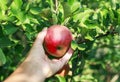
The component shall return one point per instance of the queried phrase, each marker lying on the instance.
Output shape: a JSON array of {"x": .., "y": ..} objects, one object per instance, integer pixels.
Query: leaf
[
  {"x": 21, "y": 16},
  {"x": 75, "y": 6},
  {"x": 83, "y": 16},
  {"x": 82, "y": 46},
  {"x": 2, "y": 58},
  {"x": 61, "y": 79},
  {"x": 2, "y": 15},
  {"x": 4, "y": 42},
  {"x": 67, "y": 9},
  {"x": 28, "y": 35},
  {"x": 118, "y": 29},
  {"x": 104, "y": 13},
  {"x": 34, "y": 20},
  {"x": 3, "y": 9},
  {"x": 111, "y": 13},
  {"x": 3, "y": 5},
  {"x": 89, "y": 37},
  {"x": 54, "y": 19},
  {"x": 11, "y": 18},
  {"x": 16, "y": 10},
  {"x": 118, "y": 12},
  {"x": 28, "y": 28},
  {"x": 82, "y": 62},
  {"x": 35, "y": 10},
  {"x": 18, "y": 3},
  {"x": 113, "y": 3},
  {"x": 74, "y": 45},
  {"x": 31, "y": 18},
  {"x": 9, "y": 29},
  {"x": 71, "y": 2},
  {"x": 46, "y": 13}
]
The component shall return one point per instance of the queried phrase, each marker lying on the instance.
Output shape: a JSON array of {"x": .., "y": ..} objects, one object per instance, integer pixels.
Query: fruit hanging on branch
[{"x": 58, "y": 40}]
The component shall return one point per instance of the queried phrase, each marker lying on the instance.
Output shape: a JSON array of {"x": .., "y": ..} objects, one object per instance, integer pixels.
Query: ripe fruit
[
  {"x": 64, "y": 71},
  {"x": 58, "y": 40}
]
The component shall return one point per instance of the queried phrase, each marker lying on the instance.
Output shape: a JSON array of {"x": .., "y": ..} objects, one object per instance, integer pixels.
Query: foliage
[{"x": 95, "y": 24}]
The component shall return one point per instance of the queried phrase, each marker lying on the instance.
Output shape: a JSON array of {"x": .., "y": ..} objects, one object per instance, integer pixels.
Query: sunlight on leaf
[
  {"x": 61, "y": 79},
  {"x": 74, "y": 45},
  {"x": 2, "y": 57}
]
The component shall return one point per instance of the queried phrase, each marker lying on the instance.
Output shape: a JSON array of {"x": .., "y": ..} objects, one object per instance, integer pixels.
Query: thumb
[{"x": 40, "y": 37}]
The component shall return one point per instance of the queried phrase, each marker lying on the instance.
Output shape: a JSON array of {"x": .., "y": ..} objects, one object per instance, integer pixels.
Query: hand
[
  {"x": 37, "y": 66},
  {"x": 50, "y": 67}
]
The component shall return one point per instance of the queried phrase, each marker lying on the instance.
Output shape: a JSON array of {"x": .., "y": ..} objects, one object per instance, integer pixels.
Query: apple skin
[{"x": 57, "y": 40}]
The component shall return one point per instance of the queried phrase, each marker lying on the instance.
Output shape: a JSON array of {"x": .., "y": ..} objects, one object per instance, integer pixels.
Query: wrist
[{"x": 28, "y": 71}]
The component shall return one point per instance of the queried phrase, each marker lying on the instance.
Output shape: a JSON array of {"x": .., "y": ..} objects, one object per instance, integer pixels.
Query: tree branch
[
  {"x": 79, "y": 41},
  {"x": 56, "y": 6}
]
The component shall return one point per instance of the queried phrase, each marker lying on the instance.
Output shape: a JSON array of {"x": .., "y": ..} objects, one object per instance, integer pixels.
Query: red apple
[{"x": 57, "y": 40}]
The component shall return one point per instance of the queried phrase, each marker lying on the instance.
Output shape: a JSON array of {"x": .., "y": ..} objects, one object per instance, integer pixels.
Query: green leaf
[
  {"x": 111, "y": 13},
  {"x": 31, "y": 18},
  {"x": 3, "y": 5},
  {"x": 34, "y": 20},
  {"x": 118, "y": 29},
  {"x": 21, "y": 16},
  {"x": 89, "y": 37},
  {"x": 3, "y": 8},
  {"x": 28, "y": 28},
  {"x": 71, "y": 2},
  {"x": 9, "y": 29},
  {"x": 61, "y": 79},
  {"x": 113, "y": 3},
  {"x": 82, "y": 46},
  {"x": 74, "y": 45},
  {"x": 54, "y": 19},
  {"x": 118, "y": 12},
  {"x": 67, "y": 9},
  {"x": 11, "y": 18},
  {"x": 83, "y": 16},
  {"x": 2, "y": 15},
  {"x": 28, "y": 35},
  {"x": 2, "y": 58},
  {"x": 104, "y": 13},
  {"x": 4, "y": 42},
  {"x": 75, "y": 6},
  {"x": 35, "y": 10},
  {"x": 46, "y": 13},
  {"x": 16, "y": 10},
  {"x": 18, "y": 3}
]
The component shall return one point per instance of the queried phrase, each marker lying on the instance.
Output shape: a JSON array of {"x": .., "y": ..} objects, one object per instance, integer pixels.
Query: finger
[
  {"x": 37, "y": 47},
  {"x": 67, "y": 56},
  {"x": 41, "y": 35},
  {"x": 57, "y": 64}
]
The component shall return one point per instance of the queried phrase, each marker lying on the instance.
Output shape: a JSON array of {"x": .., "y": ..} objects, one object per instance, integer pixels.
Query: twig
[
  {"x": 56, "y": 6},
  {"x": 97, "y": 37}
]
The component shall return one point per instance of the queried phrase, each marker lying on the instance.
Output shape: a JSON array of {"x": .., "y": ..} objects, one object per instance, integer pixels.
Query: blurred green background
[{"x": 95, "y": 24}]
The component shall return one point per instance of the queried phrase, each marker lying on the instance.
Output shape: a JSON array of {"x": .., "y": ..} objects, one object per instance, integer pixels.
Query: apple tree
[{"x": 95, "y": 25}]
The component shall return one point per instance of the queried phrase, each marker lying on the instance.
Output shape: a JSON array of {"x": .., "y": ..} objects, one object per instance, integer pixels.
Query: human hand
[
  {"x": 37, "y": 66},
  {"x": 49, "y": 67}
]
